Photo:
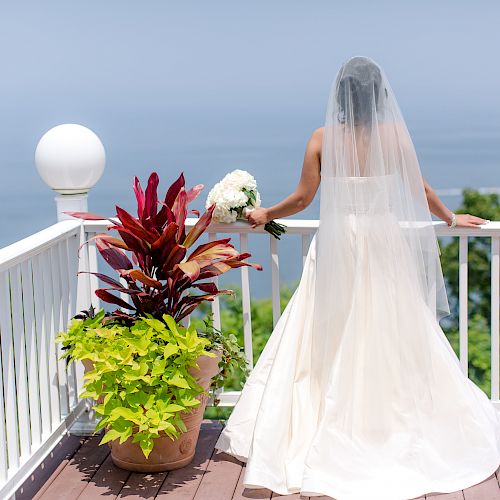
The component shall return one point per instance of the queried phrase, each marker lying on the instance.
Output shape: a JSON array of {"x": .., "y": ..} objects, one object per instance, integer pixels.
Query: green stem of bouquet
[{"x": 275, "y": 228}]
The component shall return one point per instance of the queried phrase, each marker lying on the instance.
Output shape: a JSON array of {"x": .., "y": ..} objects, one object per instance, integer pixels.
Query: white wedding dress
[{"x": 358, "y": 394}]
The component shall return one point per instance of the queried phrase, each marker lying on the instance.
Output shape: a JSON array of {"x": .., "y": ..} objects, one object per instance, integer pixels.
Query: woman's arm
[
  {"x": 438, "y": 208},
  {"x": 304, "y": 192}
]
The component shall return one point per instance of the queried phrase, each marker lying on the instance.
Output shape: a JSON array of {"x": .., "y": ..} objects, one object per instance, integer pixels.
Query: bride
[{"x": 358, "y": 394}]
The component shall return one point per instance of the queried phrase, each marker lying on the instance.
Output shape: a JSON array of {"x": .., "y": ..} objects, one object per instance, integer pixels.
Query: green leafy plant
[
  {"x": 142, "y": 373},
  {"x": 140, "y": 354},
  {"x": 233, "y": 358}
]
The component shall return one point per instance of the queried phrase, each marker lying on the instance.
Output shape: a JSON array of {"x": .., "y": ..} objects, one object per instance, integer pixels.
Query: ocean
[{"x": 451, "y": 157}]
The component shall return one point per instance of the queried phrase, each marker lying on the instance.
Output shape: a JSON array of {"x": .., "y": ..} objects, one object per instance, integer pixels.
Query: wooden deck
[{"x": 88, "y": 473}]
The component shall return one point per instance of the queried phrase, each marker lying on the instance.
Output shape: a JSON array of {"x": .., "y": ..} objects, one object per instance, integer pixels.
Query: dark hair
[{"x": 360, "y": 78}]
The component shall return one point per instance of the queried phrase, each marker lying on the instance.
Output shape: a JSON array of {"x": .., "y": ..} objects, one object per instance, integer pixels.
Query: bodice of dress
[{"x": 364, "y": 195}]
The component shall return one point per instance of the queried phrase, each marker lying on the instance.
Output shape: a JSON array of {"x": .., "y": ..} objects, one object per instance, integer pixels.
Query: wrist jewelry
[{"x": 453, "y": 222}]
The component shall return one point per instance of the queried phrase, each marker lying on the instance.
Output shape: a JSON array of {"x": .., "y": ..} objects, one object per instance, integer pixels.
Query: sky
[{"x": 205, "y": 87}]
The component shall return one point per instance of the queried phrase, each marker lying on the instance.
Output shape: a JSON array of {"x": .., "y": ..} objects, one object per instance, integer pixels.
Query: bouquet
[{"x": 233, "y": 195}]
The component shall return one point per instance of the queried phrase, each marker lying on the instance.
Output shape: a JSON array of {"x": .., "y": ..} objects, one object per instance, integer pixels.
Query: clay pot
[
  {"x": 88, "y": 366},
  {"x": 168, "y": 454}
]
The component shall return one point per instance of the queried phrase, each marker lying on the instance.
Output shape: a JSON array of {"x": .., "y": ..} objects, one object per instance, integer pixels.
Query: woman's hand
[
  {"x": 467, "y": 220},
  {"x": 257, "y": 216},
  {"x": 437, "y": 207}
]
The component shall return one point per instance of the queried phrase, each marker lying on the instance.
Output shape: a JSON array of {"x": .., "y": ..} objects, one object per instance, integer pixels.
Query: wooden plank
[
  {"x": 142, "y": 486},
  {"x": 73, "y": 479},
  {"x": 183, "y": 483},
  {"x": 485, "y": 490},
  {"x": 51, "y": 466},
  {"x": 220, "y": 478},
  {"x": 107, "y": 482},
  {"x": 240, "y": 493},
  {"x": 457, "y": 495},
  {"x": 293, "y": 496}
]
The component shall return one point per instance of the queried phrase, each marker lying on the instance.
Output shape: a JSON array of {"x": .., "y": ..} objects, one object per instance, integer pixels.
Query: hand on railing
[
  {"x": 467, "y": 220},
  {"x": 259, "y": 216}
]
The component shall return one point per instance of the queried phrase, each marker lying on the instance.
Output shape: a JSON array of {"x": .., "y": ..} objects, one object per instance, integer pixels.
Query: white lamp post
[{"x": 70, "y": 159}]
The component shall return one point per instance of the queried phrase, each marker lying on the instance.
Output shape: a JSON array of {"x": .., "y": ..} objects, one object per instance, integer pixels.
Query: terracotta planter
[
  {"x": 88, "y": 366},
  {"x": 168, "y": 454}
]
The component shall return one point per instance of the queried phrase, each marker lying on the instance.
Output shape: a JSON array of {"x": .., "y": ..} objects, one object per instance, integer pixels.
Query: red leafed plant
[{"x": 160, "y": 272}]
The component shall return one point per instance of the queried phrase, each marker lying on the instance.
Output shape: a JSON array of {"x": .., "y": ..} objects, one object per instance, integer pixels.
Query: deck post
[{"x": 70, "y": 159}]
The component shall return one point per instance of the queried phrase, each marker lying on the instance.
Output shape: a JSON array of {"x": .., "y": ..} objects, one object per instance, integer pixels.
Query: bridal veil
[{"x": 375, "y": 225}]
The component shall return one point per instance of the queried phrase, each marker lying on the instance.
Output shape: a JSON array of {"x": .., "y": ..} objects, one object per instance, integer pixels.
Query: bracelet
[{"x": 453, "y": 220}]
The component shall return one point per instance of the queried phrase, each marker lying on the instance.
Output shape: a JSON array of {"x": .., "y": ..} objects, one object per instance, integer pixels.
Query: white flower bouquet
[{"x": 236, "y": 192}]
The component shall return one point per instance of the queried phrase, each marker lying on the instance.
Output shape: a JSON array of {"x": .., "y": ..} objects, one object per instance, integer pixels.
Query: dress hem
[{"x": 318, "y": 487}]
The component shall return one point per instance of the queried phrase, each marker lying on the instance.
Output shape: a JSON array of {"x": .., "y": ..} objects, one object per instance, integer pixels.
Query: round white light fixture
[{"x": 70, "y": 158}]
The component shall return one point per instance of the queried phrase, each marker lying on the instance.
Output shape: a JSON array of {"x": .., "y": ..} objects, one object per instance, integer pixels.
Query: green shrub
[{"x": 141, "y": 371}]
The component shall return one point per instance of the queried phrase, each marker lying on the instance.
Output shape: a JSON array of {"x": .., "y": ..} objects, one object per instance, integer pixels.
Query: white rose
[{"x": 241, "y": 179}]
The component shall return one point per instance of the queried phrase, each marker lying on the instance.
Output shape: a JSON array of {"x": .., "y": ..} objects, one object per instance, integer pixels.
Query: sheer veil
[
  {"x": 372, "y": 202},
  {"x": 353, "y": 395}
]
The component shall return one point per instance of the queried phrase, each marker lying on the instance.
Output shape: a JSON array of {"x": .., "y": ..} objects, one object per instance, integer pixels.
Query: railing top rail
[
  {"x": 304, "y": 226},
  {"x": 490, "y": 229},
  {"x": 299, "y": 226},
  {"x": 28, "y": 247}
]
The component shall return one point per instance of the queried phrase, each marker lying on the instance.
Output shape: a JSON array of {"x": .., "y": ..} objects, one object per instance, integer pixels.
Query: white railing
[
  {"x": 39, "y": 400},
  {"x": 306, "y": 228},
  {"x": 40, "y": 292}
]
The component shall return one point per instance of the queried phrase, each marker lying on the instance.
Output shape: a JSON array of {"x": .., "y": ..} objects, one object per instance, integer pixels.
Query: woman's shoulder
[
  {"x": 316, "y": 139},
  {"x": 318, "y": 133}
]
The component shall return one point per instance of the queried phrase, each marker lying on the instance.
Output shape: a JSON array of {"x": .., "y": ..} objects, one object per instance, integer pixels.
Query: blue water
[{"x": 451, "y": 156}]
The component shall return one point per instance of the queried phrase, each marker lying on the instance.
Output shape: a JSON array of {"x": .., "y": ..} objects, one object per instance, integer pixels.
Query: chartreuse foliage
[{"x": 141, "y": 370}]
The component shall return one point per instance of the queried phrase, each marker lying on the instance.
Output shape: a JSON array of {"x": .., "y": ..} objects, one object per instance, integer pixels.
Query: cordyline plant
[{"x": 164, "y": 263}]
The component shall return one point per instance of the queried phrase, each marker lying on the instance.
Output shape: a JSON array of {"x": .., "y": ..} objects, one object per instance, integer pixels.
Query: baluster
[
  {"x": 31, "y": 353},
  {"x": 3, "y": 436},
  {"x": 275, "y": 277},
  {"x": 59, "y": 325},
  {"x": 20, "y": 361},
  {"x": 8, "y": 374},
  {"x": 93, "y": 267},
  {"x": 463, "y": 303},
  {"x": 50, "y": 320},
  {"x": 42, "y": 352},
  {"x": 215, "y": 302},
  {"x": 84, "y": 286},
  {"x": 71, "y": 250},
  {"x": 246, "y": 307},
  {"x": 495, "y": 319}
]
